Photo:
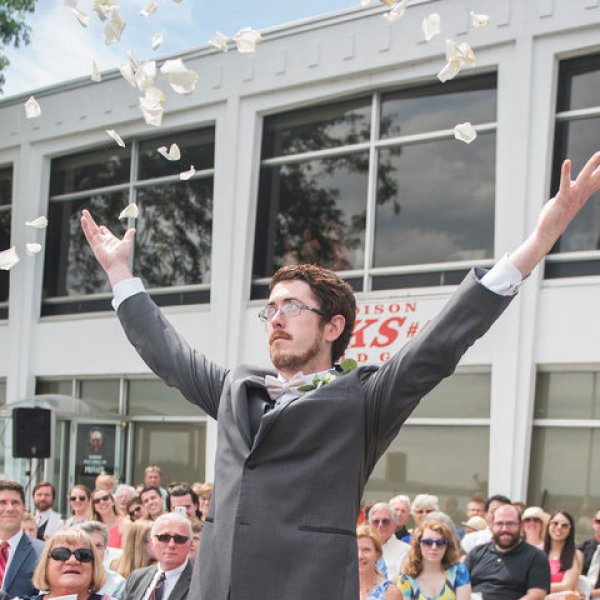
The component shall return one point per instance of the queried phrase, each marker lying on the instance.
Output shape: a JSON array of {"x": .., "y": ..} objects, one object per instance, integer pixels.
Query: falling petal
[
  {"x": 187, "y": 174},
  {"x": 173, "y": 153},
  {"x": 145, "y": 75},
  {"x": 480, "y": 20},
  {"x": 39, "y": 223},
  {"x": 457, "y": 56},
  {"x": 431, "y": 26},
  {"x": 114, "y": 28},
  {"x": 450, "y": 70},
  {"x": 8, "y": 259},
  {"x": 133, "y": 61},
  {"x": 387, "y": 2},
  {"x": 130, "y": 212},
  {"x": 115, "y": 136},
  {"x": 83, "y": 19},
  {"x": 103, "y": 8},
  {"x": 152, "y": 106},
  {"x": 247, "y": 39},
  {"x": 219, "y": 41},
  {"x": 465, "y": 132},
  {"x": 466, "y": 54},
  {"x": 149, "y": 9},
  {"x": 95, "y": 72},
  {"x": 128, "y": 74},
  {"x": 33, "y": 248},
  {"x": 396, "y": 11},
  {"x": 157, "y": 40},
  {"x": 32, "y": 108},
  {"x": 181, "y": 79}
]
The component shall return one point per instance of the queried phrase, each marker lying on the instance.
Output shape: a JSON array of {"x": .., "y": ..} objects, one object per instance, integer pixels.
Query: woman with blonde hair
[
  {"x": 137, "y": 550},
  {"x": 372, "y": 584},
  {"x": 105, "y": 510},
  {"x": 69, "y": 565},
  {"x": 433, "y": 570},
  {"x": 80, "y": 501}
]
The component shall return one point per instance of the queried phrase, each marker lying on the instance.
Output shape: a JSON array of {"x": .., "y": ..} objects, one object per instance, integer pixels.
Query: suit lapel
[
  {"x": 183, "y": 584},
  {"x": 269, "y": 420},
  {"x": 243, "y": 391},
  {"x": 21, "y": 553}
]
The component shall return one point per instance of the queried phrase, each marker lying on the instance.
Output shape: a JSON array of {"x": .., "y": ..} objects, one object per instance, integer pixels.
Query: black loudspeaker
[{"x": 31, "y": 432}]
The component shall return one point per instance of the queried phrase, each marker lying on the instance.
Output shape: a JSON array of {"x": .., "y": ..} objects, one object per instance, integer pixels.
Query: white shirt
[
  {"x": 394, "y": 554},
  {"x": 53, "y": 518},
  {"x": 171, "y": 579},
  {"x": 476, "y": 538}
]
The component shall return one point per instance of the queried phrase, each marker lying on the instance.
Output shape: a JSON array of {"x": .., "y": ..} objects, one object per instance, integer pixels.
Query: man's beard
[
  {"x": 514, "y": 540},
  {"x": 288, "y": 361}
]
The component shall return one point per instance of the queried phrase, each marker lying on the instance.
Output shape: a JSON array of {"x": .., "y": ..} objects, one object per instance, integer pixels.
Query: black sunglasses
[
  {"x": 101, "y": 499},
  {"x": 84, "y": 555},
  {"x": 135, "y": 511},
  {"x": 165, "y": 538},
  {"x": 80, "y": 498}
]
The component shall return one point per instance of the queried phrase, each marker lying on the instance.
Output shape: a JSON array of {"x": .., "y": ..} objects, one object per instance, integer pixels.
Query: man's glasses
[
  {"x": 74, "y": 498},
  {"x": 136, "y": 511},
  {"x": 165, "y": 538},
  {"x": 434, "y": 543},
  {"x": 381, "y": 522},
  {"x": 289, "y": 309},
  {"x": 102, "y": 499},
  {"x": 84, "y": 555}
]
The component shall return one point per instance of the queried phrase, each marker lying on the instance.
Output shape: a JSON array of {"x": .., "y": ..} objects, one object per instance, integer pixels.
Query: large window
[
  {"x": 577, "y": 253},
  {"x": 565, "y": 448},
  {"x": 5, "y": 216},
  {"x": 174, "y": 230},
  {"x": 443, "y": 448},
  {"x": 378, "y": 188}
]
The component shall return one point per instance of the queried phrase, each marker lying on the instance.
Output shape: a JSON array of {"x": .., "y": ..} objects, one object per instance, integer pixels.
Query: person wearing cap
[
  {"x": 534, "y": 522},
  {"x": 474, "y": 524}
]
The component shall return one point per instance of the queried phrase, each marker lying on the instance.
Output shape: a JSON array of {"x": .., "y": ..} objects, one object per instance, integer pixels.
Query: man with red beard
[
  {"x": 508, "y": 568},
  {"x": 296, "y": 444}
]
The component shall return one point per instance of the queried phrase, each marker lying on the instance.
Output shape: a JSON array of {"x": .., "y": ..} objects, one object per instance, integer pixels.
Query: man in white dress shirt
[
  {"x": 48, "y": 521},
  {"x": 382, "y": 519}
]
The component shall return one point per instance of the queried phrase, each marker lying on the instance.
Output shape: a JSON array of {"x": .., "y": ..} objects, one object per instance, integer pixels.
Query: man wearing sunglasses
[
  {"x": 382, "y": 520},
  {"x": 297, "y": 444},
  {"x": 169, "y": 579},
  {"x": 19, "y": 554}
]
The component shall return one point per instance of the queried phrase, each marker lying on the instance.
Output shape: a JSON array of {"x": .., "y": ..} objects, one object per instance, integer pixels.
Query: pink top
[
  {"x": 556, "y": 575},
  {"x": 114, "y": 536}
]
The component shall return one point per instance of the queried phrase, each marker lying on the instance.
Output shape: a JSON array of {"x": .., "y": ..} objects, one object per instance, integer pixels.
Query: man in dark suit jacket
[
  {"x": 290, "y": 474},
  {"x": 589, "y": 548},
  {"x": 170, "y": 578},
  {"x": 23, "y": 551}
]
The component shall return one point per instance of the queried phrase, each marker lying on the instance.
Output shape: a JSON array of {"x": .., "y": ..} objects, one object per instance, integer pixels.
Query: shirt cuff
[
  {"x": 504, "y": 278},
  {"x": 125, "y": 289}
]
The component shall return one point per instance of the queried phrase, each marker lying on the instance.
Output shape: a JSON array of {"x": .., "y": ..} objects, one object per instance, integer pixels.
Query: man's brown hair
[
  {"x": 12, "y": 486},
  {"x": 42, "y": 484},
  {"x": 334, "y": 295}
]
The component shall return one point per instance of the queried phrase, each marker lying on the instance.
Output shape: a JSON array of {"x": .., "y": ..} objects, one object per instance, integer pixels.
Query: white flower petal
[
  {"x": 83, "y": 19},
  {"x": 115, "y": 136},
  {"x": 452, "y": 51},
  {"x": 431, "y": 26},
  {"x": 247, "y": 39},
  {"x": 39, "y": 223},
  {"x": 33, "y": 248},
  {"x": 152, "y": 106},
  {"x": 103, "y": 8},
  {"x": 114, "y": 28},
  {"x": 157, "y": 40},
  {"x": 466, "y": 54},
  {"x": 479, "y": 20},
  {"x": 219, "y": 41},
  {"x": 128, "y": 74},
  {"x": 173, "y": 153},
  {"x": 187, "y": 174},
  {"x": 449, "y": 71},
  {"x": 32, "y": 108},
  {"x": 130, "y": 212},
  {"x": 181, "y": 79},
  {"x": 133, "y": 61},
  {"x": 96, "y": 76},
  {"x": 149, "y": 9},
  {"x": 465, "y": 132},
  {"x": 8, "y": 259},
  {"x": 396, "y": 11},
  {"x": 145, "y": 75}
]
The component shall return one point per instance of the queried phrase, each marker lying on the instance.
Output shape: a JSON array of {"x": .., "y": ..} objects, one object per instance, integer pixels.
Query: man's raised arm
[{"x": 558, "y": 213}]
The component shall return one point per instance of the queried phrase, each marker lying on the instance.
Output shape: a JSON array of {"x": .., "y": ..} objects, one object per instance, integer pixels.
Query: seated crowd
[
  {"x": 118, "y": 542},
  {"x": 140, "y": 544}
]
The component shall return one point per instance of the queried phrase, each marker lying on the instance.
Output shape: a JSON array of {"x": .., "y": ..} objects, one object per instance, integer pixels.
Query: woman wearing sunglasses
[
  {"x": 373, "y": 585},
  {"x": 105, "y": 510},
  {"x": 135, "y": 509},
  {"x": 565, "y": 559},
  {"x": 69, "y": 565},
  {"x": 80, "y": 501},
  {"x": 433, "y": 570}
]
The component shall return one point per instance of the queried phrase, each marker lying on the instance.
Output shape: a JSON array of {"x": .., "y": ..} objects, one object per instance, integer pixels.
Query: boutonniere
[{"x": 347, "y": 365}]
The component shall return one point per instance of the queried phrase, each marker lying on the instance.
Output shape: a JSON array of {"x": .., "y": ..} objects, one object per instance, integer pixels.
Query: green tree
[{"x": 13, "y": 30}]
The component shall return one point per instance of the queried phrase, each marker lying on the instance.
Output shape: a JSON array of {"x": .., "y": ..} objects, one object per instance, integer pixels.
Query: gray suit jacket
[
  {"x": 140, "y": 579},
  {"x": 17, "y": 581},
  {"x": 288, "y": 483}
]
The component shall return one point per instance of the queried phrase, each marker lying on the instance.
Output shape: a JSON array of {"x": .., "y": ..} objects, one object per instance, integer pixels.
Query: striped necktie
[{"x": 3, "y": 560}]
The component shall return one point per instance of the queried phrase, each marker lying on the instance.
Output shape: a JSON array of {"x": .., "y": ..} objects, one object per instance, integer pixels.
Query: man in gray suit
[
  {"x": 19, "y": 554},
  {"x": 170, "y": 578},
  {"x": 290, "y": 474}
]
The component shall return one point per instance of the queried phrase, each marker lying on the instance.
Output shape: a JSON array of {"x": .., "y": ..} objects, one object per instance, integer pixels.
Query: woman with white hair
[{"x": 422, "y": 505}]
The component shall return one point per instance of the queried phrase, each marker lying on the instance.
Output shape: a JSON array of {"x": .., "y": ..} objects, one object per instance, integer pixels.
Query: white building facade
[{"x": 332, "y": 143}]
